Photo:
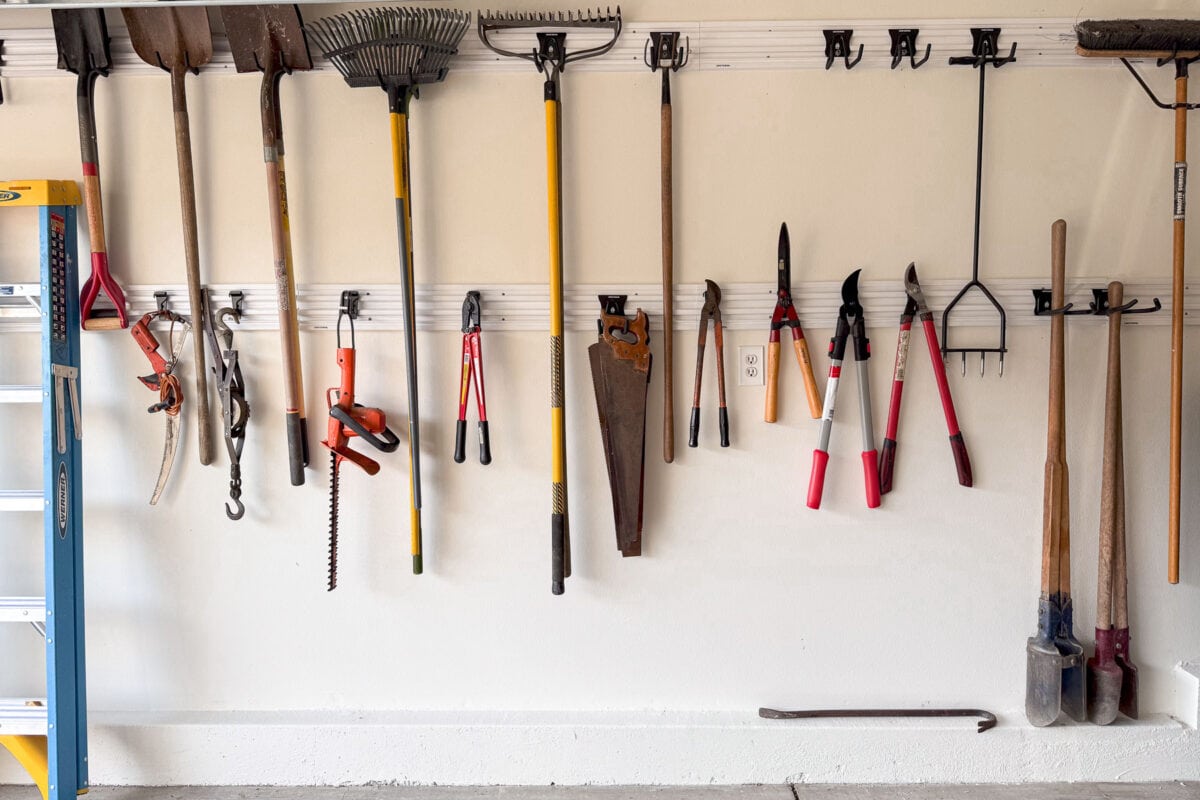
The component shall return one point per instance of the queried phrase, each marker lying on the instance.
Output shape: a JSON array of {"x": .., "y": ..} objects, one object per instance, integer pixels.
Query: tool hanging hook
[
  {"x": 837, "y": 45},
  {"x": 904, "y": 45},
  {"x": 663, "y": 51}
]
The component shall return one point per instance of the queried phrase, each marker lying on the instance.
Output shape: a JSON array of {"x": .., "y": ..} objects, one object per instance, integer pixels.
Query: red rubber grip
[
  {"x": 961, "y": 461},
  {"x": 871, "y": 473},
  {"x": 816, "y": 481}
]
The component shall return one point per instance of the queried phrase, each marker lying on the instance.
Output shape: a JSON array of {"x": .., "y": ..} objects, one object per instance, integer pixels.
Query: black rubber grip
[
  {"x": 887, "y": 463},
  {"x": 961, "y": 461},
  {"x": 387, "y": 440},
  {"x": 723, "y": 422},
  {"x": 297, "y": 447},
  {"x": 485, "y": 444},
  {"x": 694, "y": 429},
  {"x": 460, "y": 441},
  {"x": 558, "y": 554}
]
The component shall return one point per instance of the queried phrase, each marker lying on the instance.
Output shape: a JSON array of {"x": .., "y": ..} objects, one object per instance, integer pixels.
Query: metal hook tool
[{"x": 231, "y": 390}]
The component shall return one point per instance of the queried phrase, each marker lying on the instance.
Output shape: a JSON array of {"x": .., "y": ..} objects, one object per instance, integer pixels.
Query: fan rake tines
[{"x": 382, "y": 46}]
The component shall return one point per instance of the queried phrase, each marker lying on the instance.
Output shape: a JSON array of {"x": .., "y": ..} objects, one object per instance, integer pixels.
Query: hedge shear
[
  {"x": 850, "y": 322},
  {"x": 916, "y": 306},
  {"x": 472, "y": 368},
  {"x": 164, "y": 381},
  {"x": 785, "y": 316}
]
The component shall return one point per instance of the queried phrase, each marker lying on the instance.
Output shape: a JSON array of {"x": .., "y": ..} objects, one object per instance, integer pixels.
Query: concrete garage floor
[{"x": 1046, "y": 791}]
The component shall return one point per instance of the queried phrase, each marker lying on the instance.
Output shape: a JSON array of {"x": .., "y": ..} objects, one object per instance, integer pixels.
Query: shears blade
[
  {"x": 913, "y": 289},
  {"x": 170, "y": 445},
  {"x": 785, "y": 261}
]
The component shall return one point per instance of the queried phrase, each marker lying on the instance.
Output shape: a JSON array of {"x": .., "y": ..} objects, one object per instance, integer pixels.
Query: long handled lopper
[
  {"x": 179, "y": 41},
  {"x": 397, "y": 49},
  {"x": 1055, "y": 679},
  {"x": 785, "y": 316},
  {"x": 82, "y": 39},
  {"x": 269, "y": 39},
  {"x": 349, "y": 419},
  {"x": 1111, "y": 675},
  {"x": 551, "y": 57},
  {"x": 850, "y": 323},
  {"x": 710, "y": 312},
  {"x": 472, "y": 374},
  {"x": 1171, "y": 41},
  {"x": 915, "y": 306}
]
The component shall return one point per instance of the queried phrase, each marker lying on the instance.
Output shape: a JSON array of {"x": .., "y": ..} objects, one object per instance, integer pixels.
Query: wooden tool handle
[
  {"x": 772, "y": 382},
  {"x": 1108, "y": 485},
  {"x": 668, "y": 280},
  {"x": 95, "y": 209},
  {"x": 810, "y": 382},
  {"x": 191, "y": 250},
  {"x": 1120, "y": 570},
  {"x": 1177, "y": 302},
  {"x": 1055, "y": 476}
]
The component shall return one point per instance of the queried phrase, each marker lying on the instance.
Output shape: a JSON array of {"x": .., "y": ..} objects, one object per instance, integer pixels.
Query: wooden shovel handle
[
  {"x": 1120, "y": 577},
  {"x": 191, "y": 251},
  {"x": 1112, "y": 444},
  {"x": 668, "y": 280},
  {"x": 1177, "y": 300},
  {"x": 1055, "y": 479}
]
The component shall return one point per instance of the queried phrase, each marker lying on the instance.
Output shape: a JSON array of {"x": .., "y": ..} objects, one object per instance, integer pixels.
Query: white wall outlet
[{"x": 751, "y": 367}]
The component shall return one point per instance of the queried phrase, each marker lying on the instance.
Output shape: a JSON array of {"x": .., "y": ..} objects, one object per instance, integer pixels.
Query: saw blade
[
  {"x": 333, "y": 520},
  {"x": 170, "y": 445}
]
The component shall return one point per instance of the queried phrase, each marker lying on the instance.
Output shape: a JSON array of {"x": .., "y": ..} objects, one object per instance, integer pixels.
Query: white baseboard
[{"x": 538, "y": 748}]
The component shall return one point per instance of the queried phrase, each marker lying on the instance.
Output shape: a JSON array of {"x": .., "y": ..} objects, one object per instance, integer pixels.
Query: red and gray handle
[
  {"x": 472, "y": 369},
  {"x": 962, "y": 462},
  {"x": 887, "y": 458}
]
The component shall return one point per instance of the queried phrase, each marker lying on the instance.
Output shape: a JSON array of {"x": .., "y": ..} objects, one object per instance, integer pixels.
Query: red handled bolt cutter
[
  {"x": 850, "y": 322},
  {"x": 915, "y": 306},
  {"x": 472, "y": 368}
]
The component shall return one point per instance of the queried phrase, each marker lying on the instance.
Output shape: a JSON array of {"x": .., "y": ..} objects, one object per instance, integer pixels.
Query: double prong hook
[
  {"x": 904, "y": 45},
  {"x": 837, "y": 45},
  {"x": 663, "y": 51}
]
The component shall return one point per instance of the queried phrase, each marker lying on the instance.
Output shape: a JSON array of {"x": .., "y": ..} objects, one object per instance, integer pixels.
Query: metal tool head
[
  {"x": 850, "y": 293},
  {"x": 784, "y": 263},
  {"x": 390, "y": 47},
  {"x": 471, "y": 312},
  {"x": 1043, "y": 669},
  {"x": 551, "y": 47},
  {"x": 1074, "y": 671},
  {"x": 170, "y": 37},
  {"x": 81, "y": 36},
  {"x": 266, "y": 38},
  {"x": 1129, "y": 677},
  {"x": 913, "y": 289},
  {"x": 1103, "y": 679},
  {"x": 712, "y": 301}
]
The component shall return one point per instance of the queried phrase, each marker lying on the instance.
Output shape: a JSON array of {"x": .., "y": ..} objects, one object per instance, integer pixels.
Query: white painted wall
[{"x": 744, "y": 597}]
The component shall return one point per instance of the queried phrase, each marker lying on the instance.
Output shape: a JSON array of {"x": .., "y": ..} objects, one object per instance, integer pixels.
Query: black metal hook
[
  {"x": 1180, "y": 71},
  {"x": 162, "y": 300},
  {"x": 1100, "y": 305},
  {"x": 985, "y": 49},
  {"x": 837, "y": 45},
  {"x": 663, "y": 51},
  {"x": 237, "y": 300},
  {"x": 904, "y": 45},
  {"x": 1042, "y": 307}
]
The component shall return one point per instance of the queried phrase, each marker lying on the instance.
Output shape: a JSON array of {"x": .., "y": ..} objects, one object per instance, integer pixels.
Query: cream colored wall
[{"x": 744, "y": 597}]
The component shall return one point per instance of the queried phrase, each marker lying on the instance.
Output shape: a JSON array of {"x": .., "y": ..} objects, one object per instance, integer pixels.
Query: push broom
[
  {"x": 1171, "y": 41},
  {"x": 551, "y": 57},
  {"x": 397, "y": 49}
]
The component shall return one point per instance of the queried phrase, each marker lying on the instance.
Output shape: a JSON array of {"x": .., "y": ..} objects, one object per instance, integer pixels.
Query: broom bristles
[
  {"x": 390, "y": 46},
  {"x": 1132, "y": 35}
]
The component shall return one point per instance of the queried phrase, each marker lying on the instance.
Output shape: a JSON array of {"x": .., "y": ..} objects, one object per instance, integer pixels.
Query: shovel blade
[
  {"x": 82, "y": 39},
  {"x": 1074, "y": 671},
  {"x": 266, "y": 37},
  {"x": 1129, "y": 677},
  {"x": 1043, "y": 682},
  {"x": 171, "y": 36},
  {"x": 1103, "y": 679}
]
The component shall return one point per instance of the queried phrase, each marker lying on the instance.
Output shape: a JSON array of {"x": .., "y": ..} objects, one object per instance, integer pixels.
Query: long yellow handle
[
  {"x": 31, "y": 753},
  {"x": 559, "y": 520},
  {"x": 1177, "y": 299},
  {"x": 770, "y": 415}
]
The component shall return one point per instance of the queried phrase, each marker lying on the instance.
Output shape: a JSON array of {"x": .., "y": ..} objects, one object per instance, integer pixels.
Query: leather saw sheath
[{"x": 621, "y": 378}]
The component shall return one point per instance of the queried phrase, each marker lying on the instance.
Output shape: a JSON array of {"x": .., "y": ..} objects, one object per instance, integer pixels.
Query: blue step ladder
[{"x": 48, "y": 735}]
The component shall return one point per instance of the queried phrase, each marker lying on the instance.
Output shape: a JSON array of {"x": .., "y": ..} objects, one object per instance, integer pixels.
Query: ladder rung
[
  {"x": 20, "y": 394},
  {"x": 22, "y": 609},
  {"x": 22, "y": 717},
  {"x": 21, "y": 500}
]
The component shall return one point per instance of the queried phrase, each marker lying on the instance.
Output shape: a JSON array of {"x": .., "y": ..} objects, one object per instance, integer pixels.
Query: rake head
[
  {"x": 390, "y": 47},
  {"x": 513, "y": 20}
]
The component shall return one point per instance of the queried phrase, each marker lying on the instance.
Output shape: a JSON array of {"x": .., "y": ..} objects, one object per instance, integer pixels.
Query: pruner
[
  {"x": 472, "y": 372},
  {"x": 785, "y": 316},
  {"x": 850, "y": 322},
  {"x": 710, "y": 311},
  {"x": 231, "y": 390},
  {"x": 163, "y": 380}
]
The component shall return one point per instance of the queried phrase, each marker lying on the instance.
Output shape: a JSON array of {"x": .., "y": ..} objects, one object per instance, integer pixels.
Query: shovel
[
  {"x": 270, "y": 39},
  {"x": 178, "y": 40}
]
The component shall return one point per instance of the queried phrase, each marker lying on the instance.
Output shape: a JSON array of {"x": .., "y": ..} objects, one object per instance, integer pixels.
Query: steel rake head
[
  {"x": 390, "y": 47},
  {"x": 507, "y": 21}
]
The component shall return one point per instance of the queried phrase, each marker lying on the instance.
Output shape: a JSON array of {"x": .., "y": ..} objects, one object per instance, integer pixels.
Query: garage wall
[{"x": 744, "y": 597}]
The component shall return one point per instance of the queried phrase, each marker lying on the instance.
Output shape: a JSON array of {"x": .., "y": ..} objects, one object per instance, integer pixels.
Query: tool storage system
[{"x": 49, "y": 735}]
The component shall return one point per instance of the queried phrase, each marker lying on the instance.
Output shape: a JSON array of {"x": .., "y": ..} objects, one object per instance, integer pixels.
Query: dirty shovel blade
[
  {"x": 1074, "y": 669},
  {"x": 82, "y": 40},
  {"x": 1043, "y": 682},
  {"x": 172, "y": 36},
  {"x": 266, "y": 37},
  {"x": 1129, "y": 677},
  {"x": 1103, "y": 680}
]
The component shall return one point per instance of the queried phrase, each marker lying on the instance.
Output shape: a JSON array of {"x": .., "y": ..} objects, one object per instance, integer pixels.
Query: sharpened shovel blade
[
  {"x": 1043, "y": 682},
  {"x": 266, "y": 37},
  {"x": 170, "y": 37},
  {"x": 1103, "y": 679},
  {"x": 82, "y": 39}
]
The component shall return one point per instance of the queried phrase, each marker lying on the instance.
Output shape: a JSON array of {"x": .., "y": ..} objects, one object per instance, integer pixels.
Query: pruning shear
[
  {"x": 472, "y": 368},
  {"x": 785, "y": 316},
  {"x": 163, "y": 380},
  {"x": 231, "y": 390},
  {"x": 850, "y": 322},
  {"x": 916, "y": 306},
  {"x": 710, "y": 311}
]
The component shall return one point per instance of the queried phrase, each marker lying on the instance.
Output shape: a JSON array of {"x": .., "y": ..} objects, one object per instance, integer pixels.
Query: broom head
[{"x": 1139, "y": 38}]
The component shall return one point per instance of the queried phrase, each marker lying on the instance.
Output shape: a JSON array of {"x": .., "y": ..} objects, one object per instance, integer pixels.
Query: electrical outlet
[{"x": 751, "y": 369}]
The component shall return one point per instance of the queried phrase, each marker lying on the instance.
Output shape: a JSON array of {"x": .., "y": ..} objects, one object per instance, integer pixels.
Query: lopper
[
  {"x": 472, "y": 368},
  {"x": 915, "y": 306},
  {"x": 710, "y": 311},
  {"x": 850, "y": 322},
  {"x": 785, "y": 316}
]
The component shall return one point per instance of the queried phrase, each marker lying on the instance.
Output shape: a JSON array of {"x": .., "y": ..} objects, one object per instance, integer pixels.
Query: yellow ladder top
[{"x": 39, "y": 193}]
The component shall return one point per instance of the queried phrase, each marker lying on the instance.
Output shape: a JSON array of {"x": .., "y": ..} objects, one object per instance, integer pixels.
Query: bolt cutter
[
  {"x": 850, "y": 322},
  {"x": 710, "y": 311},
  {"x": 785, "y": 316},
  {"x": 915, "y": 306},
  {"x": 472, "y": 368}
]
